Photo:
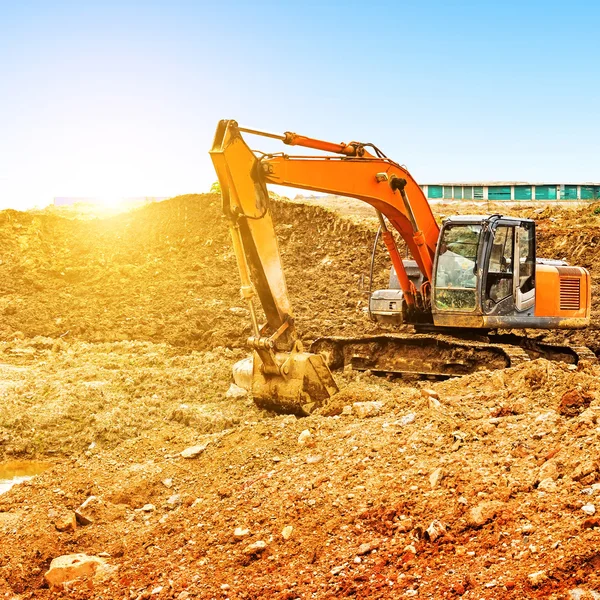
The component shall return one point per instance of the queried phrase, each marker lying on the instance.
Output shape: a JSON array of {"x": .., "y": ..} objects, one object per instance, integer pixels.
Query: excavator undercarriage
[{"x": 440, "y": 356}]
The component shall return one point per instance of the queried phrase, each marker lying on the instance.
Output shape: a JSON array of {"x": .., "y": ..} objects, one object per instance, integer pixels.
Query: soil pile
[
  {"x": 118, "y": 344},
  {"x": 166, "y": 273},
  {"x": 485, "y": 487}
]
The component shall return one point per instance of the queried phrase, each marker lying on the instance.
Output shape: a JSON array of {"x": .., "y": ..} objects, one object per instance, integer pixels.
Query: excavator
[{"x": 467, "y": 281}]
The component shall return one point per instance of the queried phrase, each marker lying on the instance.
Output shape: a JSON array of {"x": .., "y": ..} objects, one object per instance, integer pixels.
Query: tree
[{"x": 215, "y": 188}]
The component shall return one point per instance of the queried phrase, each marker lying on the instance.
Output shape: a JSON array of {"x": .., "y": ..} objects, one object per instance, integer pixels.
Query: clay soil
[{"x": 118, "y": 338}]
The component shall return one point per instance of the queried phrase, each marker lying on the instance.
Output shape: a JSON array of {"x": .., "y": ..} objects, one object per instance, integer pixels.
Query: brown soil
[{"x": 119, "y": 342}]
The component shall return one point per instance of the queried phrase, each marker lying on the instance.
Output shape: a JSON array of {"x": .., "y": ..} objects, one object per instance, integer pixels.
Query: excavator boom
[{"x": 285, "y": 377}]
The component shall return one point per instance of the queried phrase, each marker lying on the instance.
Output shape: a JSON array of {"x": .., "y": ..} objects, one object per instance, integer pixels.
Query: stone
[
  {"x": 97, "y": 510},
  {"x": 591, "y": 523},
  {"x": 148, "y": 508},
  {"x": 582, "y": 470},
  {"x": 366, "y": 548},
  {"x": 66, "y": 522},
  {"x": 365, "y": 410},
  {"x": 435, "y": 530},
  {"x": 304, "y": 437},
  {"x": 168, "y": 482},
  {"x": 312, "y": 459},
  {"x": 235, "y": 391},
  {"x": 240, "y": 533},
  {"x": 537, "y": 578},
  {"x": 71, "y": 567},
  {"x": 548, "y": 470},
  {"x": 435, "y": 477},
  {"x": 484, "y": 512},
  {"x": 574, "y": 402},
  {"x": 174, "y": 500},
  {"x": 429, "y": 393},
  {"x": 157, "y": 590},
  {"x": 547, "y": 485},
  {"x": 256, "y": 548},
  {"x": 193, "y": 451},
  {"x": 589, "y": 509},
  {"x": 406, "y": 420},
  {"x": 286, "y": 532},
  {"x": 84, "y": 513},
  {"x": 242, "y": 373},
  {"x": 184, "y": 595}
]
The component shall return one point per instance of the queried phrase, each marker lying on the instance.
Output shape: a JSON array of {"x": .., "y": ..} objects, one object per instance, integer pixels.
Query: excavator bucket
[{"x": 304, "y": 385}]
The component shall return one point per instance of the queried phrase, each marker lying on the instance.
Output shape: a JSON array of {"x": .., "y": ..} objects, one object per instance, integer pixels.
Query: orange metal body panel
[{"x": 548, "y": 292}]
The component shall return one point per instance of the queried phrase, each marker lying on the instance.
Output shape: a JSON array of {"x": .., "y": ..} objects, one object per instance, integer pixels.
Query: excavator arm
[{"x": 285, "y": 377}]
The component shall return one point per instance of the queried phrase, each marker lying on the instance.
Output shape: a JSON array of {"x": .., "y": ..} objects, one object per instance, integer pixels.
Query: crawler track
[{"x": 440, "y": 356}]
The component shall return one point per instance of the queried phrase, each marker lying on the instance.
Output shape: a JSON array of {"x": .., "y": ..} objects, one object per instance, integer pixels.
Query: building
[{"x": 499, "y": 191}]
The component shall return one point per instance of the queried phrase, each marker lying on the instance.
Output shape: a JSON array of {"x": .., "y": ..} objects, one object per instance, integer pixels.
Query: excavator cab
[{"x": 486, "y": 276}]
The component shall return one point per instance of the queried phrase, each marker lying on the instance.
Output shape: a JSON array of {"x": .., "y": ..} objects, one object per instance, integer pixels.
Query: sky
[{"x": 119, "y": 99}]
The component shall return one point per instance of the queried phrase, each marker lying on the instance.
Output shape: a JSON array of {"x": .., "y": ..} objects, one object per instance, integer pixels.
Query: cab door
[{"x": 509, "y": 286}]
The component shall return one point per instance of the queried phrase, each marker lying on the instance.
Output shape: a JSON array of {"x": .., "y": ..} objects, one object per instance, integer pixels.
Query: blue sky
[{"x": 122, "y": 98}]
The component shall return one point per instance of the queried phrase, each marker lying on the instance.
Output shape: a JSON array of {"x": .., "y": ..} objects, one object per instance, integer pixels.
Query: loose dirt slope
[{"x": 119, "y": 341}]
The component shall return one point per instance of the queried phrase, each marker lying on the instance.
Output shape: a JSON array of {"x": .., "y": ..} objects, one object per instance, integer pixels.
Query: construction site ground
[{"x": 118, "y": 340}]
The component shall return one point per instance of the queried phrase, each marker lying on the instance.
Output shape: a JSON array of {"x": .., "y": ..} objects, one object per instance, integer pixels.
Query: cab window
[{"x": 501, "y": 265}]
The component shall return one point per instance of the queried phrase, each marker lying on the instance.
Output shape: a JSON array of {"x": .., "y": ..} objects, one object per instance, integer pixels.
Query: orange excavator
[{"x": 467, "y": 280}]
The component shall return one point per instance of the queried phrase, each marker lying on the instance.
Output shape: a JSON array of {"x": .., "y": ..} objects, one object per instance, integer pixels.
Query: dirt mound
[
  {"x": 166, "y": 273},
  {"x": 475, "y": 484},
  {"x": 485, "y": 486}
]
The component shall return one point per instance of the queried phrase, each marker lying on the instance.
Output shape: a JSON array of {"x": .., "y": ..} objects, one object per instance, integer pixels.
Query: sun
[{"x": 111, "y": 201}]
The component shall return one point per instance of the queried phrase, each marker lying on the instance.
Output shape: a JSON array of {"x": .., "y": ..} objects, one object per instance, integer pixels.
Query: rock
[
  {"x": 157, "y": 590},
  {"x": 574, "y": 402},
  {"x": 66, "y": 522},
  {"x": 364, "y": 410},
  {"x": 84, "y": 513},
  {"x": 484, "y": 512},
  {"x": 168, "y": 482},
  {"x": 312, "y": 459},
  {"x": 548, "y": 470},
  {"x": 434, "y": 531},
  {"x": 429, "y": 393},
  {"x": 242, "y": 373},
  {"x": 537, "y": 578},
  {"x": 286, "y": 532},
  {"x": 589, "y": 509},
  {"x": 406, "y": 420},
  {"x": 304, "y": 437},
  {"x": 184, "y": 595},
  {"x": 97, "y": 510},
  {"x": 547, "y": 485},
  {"x": 240, "y": 533},
  {"x": 584, "y": 469},
  {"x": 591, "y": 523},
  {"x": 366, "y": 548},
  {"x": 193, "y": 451},
  {"x": 337, "y": 570},
  {"x": 405, "y": 525},
  {"x": 174, "y": 500},
  {"x": 71, "y": 567},
  {"x": 148, "y": 508},
  {"x": 435, "y": 477},
  {"x": 235, "y": 391},
  {"x": 238, "y": 311},
  {"x": 256, "y": 548}
]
